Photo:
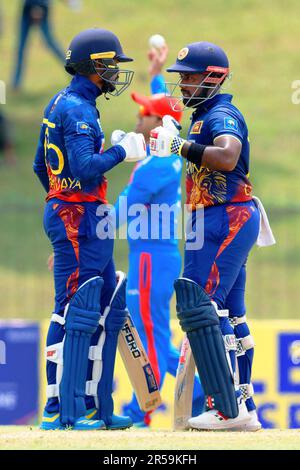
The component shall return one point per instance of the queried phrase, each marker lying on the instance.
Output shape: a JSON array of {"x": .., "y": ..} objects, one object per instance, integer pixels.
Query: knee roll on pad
[
  {"x": 191, "y": 302},
  {"x": 81, "y": 321},
  {"x": 199, "y": 320}
]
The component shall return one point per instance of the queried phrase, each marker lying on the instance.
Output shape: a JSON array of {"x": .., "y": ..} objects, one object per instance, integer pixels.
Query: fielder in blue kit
[
  {"x": 210, "y": 295},
  {"x": 154, "y": 259},
  {"x": 90, "y": 307}
]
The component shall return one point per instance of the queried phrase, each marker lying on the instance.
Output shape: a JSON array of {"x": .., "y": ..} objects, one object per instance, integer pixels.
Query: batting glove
[
  {"x": 133, "y": 144},
  {"x": 117, "y": 136},
  {"x": 165, "y": 140}
]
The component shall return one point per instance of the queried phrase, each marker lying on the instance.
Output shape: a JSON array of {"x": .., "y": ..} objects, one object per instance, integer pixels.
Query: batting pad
[
  {"x": 82, "y": 320},
  {"x": 199, "y": 320}
]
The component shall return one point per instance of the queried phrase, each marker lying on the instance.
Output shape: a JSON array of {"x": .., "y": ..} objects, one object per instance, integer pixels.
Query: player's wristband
[
  {"x": 177, "y": 144},
  {"x": 195, "y": 153}
]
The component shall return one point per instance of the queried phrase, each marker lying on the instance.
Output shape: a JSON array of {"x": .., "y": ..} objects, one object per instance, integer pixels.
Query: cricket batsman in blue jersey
[
  {"x": 90, "y": 307},
  {"x": 154, "y": 259},
  {"x": 211, "y": 293}
]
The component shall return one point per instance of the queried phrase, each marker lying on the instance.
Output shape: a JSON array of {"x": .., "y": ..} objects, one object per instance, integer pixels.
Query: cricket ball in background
[{"x": 157, "y": 41}]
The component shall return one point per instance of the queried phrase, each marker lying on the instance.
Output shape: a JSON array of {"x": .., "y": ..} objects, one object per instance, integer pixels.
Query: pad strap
[
  {"x": 52, "y": 391},
  {"x": 234, "y": 321},
  {"x": 58, "y": 319},
  {"x": 246, "y": 390},
  {"x": 230, "y": 342},
  {"x": 91, "y": 388},
  {"x": 54, "y": 353},
  {"x": 221, "y": 313},
  {"x": 243, "y": 344}
]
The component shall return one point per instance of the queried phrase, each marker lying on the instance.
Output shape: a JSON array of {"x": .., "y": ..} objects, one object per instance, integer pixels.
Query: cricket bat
[
  {"x": 138, "y": 367},
  {"x": 184, "y": 387}
]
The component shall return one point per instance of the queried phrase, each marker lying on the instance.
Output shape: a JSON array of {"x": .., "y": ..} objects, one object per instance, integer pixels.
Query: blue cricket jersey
[
  {"x": 70, "y": 161},
  {"x": 215, "y": 117}
]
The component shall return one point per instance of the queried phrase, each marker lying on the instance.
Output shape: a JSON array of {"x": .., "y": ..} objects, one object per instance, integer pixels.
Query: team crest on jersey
[
  {"x": 196, "y": 129},
  {"x": 230, "y": 123},
  {"x": 82, "y": 127},
  {"x": 183, "y": 53}
]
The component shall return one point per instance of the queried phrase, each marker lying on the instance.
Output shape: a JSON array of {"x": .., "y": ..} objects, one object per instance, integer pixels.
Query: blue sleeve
[
  {"x": 158, "y": 84},
  {"x": 79, "y": 135},
  {"x": 39, "y": 165},
  {"x": 225, "y": 122}
]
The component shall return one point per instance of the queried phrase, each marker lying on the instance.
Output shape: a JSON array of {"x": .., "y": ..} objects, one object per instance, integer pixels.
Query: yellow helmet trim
[{"x": 103, "y": 55}]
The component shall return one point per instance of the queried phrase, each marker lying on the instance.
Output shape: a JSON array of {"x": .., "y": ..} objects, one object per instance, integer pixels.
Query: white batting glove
[
  {"x": 133, "y": 144},
  {"x": 165, "y": 140},
  {"x": 116, "y": 136},
  {"x": 171, "y": 124}
]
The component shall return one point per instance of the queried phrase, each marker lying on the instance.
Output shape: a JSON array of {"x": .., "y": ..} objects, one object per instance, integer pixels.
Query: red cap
[{"x": 157, "y": 105}]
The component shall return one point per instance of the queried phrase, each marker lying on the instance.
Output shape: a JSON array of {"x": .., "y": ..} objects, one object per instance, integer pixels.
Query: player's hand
[
  {"x": 157, "y": 58},
  {"x": 161, "y": 142},
  {"x": 116, "y": 136},
  {"x": 134, "y": 145},
  {"x": 164, "y": 140},
  {"x": 171, "y": 124}
]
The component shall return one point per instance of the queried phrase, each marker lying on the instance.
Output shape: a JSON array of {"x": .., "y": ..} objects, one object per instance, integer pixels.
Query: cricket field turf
[{"x": 31, "y": 438}]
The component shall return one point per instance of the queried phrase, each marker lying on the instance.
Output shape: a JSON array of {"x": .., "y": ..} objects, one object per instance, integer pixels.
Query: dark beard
[
  {"x": 195, "y": 101},
  {"x": 191, "y": 102}
]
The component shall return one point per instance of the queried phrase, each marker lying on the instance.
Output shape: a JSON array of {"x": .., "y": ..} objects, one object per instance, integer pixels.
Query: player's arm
[
  {"x": 157, "y": 60},
  {"x": 39, "y": 165},
  {"x": 79, "y": 134},
  {"x": 222, "y": 156},
  {"x": 84, "y": 163}
]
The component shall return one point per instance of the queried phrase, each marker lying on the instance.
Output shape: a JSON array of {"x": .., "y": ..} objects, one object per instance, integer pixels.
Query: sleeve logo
[
  {"x": 82, "y": 128},
  {"x": 231, "y": 124}
]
